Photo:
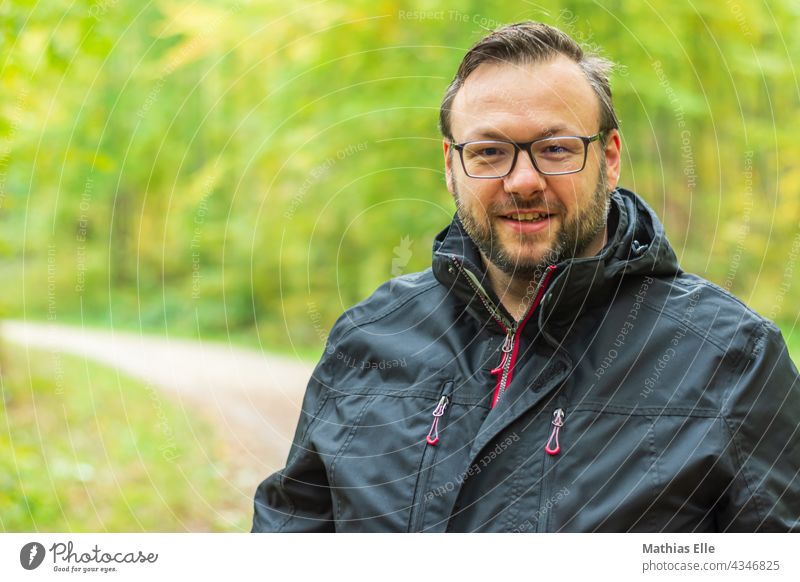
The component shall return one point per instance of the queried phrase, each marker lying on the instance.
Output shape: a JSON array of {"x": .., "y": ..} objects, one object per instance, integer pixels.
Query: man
[{"x": 562, "y": 372}]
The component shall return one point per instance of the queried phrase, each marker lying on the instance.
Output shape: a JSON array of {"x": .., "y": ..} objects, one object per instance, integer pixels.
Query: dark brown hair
[{"x": 532, "y": 42}]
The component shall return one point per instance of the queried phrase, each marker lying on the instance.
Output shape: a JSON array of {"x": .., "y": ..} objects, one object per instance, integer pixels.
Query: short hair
[{"x": 532, "y": 42}]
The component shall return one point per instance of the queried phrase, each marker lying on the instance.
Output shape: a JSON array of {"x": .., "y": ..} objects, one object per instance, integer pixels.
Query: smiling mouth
[{"x": 526, "y": 216}]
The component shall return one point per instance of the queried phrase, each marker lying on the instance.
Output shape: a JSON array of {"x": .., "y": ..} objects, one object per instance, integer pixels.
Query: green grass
[{"x": 83, "y": 448}]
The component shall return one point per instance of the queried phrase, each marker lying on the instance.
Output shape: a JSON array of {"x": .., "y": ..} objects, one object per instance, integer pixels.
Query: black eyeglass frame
[{"x": 527, "y": 147}]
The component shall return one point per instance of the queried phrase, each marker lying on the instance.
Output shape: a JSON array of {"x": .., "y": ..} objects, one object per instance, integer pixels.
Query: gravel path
[{"x": 253, "y": 398}]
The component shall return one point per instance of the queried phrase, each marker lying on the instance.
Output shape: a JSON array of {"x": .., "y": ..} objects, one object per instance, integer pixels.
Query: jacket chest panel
[
  {"x": 620, "y": 471},
  {"x": 615, "y": 470},
  {"x": 637, "y": 357},
  {"x": 384, "y": 473}
]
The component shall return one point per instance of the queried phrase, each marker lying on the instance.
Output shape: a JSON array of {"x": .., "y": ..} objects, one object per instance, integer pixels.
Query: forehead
[{"x": 525, "y": 101}]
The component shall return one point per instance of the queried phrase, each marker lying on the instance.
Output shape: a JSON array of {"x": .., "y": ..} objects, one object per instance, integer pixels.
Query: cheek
[
  {"x": 478, "y": 200},
  {"x": 573, "y": 195},
  {"x": 467, "y": 193}
]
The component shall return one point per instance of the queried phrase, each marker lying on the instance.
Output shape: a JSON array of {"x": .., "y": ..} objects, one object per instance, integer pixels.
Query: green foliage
[{"x": 218, "y": 167}]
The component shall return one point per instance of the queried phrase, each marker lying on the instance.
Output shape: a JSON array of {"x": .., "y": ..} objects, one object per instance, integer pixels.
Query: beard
[{"x": 572, "y": 239}]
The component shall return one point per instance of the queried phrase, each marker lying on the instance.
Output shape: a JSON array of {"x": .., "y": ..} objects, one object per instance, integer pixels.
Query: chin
[
  {"x": 530, "y": 262},
  {"x": 530, "y": 253}
]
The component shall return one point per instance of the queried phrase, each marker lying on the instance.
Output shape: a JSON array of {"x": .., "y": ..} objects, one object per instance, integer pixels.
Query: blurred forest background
[
  {"x": 247, "y": 170},
  {"x": 215, "y": 167}
]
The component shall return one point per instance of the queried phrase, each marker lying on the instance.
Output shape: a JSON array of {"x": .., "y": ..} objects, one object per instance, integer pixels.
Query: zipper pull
[
  {"x": 433, "y": 434},
  {"x": 501, "y": 371},
  {"x": 508, "y": 345},
  {"x": 557, "y": 422},
  {"x": 509, "y": 342}
]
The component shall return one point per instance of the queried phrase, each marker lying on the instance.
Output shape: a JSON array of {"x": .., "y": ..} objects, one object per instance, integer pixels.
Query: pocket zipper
[
  {"x": 553, "y": 446},
  {"x": 438, "y": 412},
  {"x": 429, "y": 453}
]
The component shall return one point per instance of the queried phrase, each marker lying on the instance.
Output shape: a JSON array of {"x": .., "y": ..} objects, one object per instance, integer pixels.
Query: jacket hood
[{"x": 637, "y": 245}]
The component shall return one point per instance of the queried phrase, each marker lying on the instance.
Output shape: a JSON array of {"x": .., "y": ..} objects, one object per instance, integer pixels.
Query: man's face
[{"x": 522, "y": 103}]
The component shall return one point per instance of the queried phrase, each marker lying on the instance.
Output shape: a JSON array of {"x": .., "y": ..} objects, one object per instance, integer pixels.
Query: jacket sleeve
[
  {"x": 763, "y": 416},
  {"x": 297, "y": 498}
]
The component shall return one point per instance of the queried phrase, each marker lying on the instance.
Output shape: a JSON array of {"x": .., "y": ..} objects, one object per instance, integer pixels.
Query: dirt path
[{"x": 253, "y": 398}]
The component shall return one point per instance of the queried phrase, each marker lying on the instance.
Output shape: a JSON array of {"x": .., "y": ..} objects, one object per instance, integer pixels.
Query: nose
[{"x": 524, "y": 178}]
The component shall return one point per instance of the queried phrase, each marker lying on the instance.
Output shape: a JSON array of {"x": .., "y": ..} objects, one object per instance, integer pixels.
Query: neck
[{"x": 516, "y": 292}]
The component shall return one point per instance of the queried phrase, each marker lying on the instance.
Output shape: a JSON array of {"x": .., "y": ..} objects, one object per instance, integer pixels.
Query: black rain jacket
[{"x": 632, "y": 397}]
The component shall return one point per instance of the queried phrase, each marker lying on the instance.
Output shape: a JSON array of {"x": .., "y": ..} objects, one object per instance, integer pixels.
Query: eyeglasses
[{"x": 551, "y": 156}]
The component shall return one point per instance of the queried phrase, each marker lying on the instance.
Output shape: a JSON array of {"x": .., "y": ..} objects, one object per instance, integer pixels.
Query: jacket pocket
[
  {"x": 552, "y": 448},
  {"x": 371, "y": 440},
  {"x": 432, "y": 443}
]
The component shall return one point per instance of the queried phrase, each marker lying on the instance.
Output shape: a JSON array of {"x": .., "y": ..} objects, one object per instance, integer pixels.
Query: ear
[
  {"x": 448, "y": 167},
  {"x": 613, "y": 158}
]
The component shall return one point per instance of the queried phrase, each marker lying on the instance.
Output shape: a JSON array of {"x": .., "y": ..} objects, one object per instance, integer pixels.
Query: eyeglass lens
[{"x": 555, "y": 155}]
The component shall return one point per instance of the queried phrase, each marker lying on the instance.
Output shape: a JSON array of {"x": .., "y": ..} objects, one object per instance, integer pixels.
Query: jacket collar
[{"x": 637, "y": 245}]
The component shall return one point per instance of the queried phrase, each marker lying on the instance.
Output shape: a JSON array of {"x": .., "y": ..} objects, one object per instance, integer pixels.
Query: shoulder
[
  {"x": 392, "y": 340},
  {"x": 711, "y": 313},
  {"x": 400, "y": 297}
]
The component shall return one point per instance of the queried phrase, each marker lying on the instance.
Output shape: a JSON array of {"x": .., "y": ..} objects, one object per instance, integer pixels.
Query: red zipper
[
  {"x": 508, "y": 347},
  {"x": 505, "y": 370}
]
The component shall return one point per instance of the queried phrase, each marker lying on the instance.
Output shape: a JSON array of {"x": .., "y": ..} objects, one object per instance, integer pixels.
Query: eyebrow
[{"x": 490, "y": 133}]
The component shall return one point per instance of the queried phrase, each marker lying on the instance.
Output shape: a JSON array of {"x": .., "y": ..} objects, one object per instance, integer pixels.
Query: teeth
[{"x": 528, "y": 216}]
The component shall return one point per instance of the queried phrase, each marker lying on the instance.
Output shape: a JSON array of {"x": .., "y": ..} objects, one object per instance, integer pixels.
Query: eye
[
  {"x": 555, "y": 149},
  {"x": 490, "y": 151},
  {"x": 559, "y": 147}
]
